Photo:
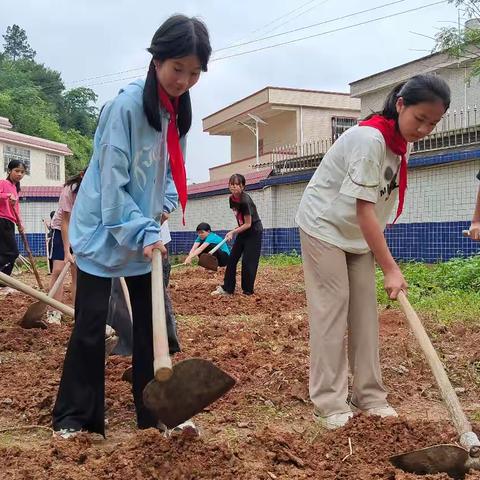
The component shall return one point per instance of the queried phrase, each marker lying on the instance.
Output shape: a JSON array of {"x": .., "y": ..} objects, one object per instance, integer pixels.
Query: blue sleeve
[
  {"x": 121, "y": 216},
  {"x": 198, "y": 240}
]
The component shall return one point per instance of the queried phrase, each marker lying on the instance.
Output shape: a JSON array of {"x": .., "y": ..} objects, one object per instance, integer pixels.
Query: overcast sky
[{"x": 94, "y": 38}]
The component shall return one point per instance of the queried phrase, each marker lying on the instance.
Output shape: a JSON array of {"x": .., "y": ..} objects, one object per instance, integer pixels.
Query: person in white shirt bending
[{"x": 341, "y": 216}]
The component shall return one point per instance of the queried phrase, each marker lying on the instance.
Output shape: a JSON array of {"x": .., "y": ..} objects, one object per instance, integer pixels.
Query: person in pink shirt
[
  {"x": 60, "y": 251},
  {"x": 9, "y": 196}
]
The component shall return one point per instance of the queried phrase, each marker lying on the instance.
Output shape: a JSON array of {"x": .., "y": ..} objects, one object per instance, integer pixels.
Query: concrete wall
[{"x": 38, "y": 175}]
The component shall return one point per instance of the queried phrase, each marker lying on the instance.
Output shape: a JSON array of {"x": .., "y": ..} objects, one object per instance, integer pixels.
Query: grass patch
[
  {"x": 281, "y": 259},
  {"x": 448, "y": 291}
]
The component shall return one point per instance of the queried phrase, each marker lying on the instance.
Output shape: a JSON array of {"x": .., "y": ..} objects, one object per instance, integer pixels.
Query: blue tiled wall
[
  {"x": 36, "y": 242},
  {"x": 428, "y": 242}
]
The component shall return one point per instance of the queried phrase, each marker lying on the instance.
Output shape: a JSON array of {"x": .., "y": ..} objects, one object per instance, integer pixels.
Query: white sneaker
[
  {"x": 385, "y": 411},
  {"x": 334, "y": 421},
  {"x": 220, "y": 291},
  {"x": 186, "y": 428},
  {"x": 66, "y": 433},
  {"x": 54, "y": 317}
]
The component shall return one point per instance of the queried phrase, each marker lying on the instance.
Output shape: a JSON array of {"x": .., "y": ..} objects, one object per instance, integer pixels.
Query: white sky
[{"x": 91, "y": 38}]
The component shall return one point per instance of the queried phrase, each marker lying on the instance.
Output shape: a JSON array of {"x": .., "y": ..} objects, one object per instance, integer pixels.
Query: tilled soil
[{"x": 263, "y": 428}]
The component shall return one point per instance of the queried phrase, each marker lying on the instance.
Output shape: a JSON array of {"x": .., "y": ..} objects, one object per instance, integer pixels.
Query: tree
[
  {"x": 16, "y": 44},
  {"x": 79, "y": 110},
  {"x": 462, "y": 42}
]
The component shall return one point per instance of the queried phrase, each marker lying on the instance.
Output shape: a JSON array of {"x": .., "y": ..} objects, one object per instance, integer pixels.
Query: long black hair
[
  {"x": 15, "y": 164},
  {"x": 179, "y": 36},
  {"x": 75, "y": 181},
  {"x": 417, "y": 89}
]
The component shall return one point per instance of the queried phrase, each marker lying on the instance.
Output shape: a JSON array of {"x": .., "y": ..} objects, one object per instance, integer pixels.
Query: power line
[
  {"x": 257, "y": 40},
  {"x": 343, "y": 17},
  {"x": 296, "y": 16},
  {"x": 330, "y": 31},
  {"x": 273, "y": 21},
  {"x": 298, "y": 39}
]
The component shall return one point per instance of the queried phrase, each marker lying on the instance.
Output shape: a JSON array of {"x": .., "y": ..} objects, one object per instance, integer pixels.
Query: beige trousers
[{"x": 341, "y": 298}]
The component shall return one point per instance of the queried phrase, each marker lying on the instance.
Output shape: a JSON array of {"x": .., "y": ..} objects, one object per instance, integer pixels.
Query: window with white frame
[
  {"x": 52, "y": 167},
  {"x": 340, "y": 125},
  {"x": 11, "y": 152}
]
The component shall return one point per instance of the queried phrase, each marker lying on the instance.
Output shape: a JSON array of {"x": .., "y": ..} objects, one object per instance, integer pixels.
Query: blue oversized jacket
[{"x": 125, "y": 189}]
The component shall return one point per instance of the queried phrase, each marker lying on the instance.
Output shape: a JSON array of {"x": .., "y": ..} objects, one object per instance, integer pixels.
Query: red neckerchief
[
  {"x": 177, "y": 165},
  {"x": 238, "y": 213},
  {"x": 398, "y": 145}
]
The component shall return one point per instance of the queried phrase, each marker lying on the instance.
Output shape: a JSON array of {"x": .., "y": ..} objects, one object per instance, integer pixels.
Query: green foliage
[
  {"x": 16, "y": 45},
  {"x": 281, "y": 259},
  {"x": 462, "y": 43},
  {"x": 33, "y": 98},
  {"x": 450, "y": 291}
]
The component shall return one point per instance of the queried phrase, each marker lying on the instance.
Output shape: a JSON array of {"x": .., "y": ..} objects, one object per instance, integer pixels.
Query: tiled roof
[
  {"x": 251, "y": 179},
  {"x": 35, "y": 142},
  {"x": 45, "y": 192}
]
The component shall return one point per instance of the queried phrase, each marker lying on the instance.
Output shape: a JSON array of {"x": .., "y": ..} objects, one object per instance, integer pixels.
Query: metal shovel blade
[
  {"x": 33, "y": 316},
  {"x": 208, "y": 261},
  {"x": 449, "y": 459},
  {"x": 194, "y": 384}
]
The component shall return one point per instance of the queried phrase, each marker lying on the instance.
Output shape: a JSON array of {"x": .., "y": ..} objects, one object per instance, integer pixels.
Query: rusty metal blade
[
  {"x": 208, "y": 261},
  {"x": 449, "y": 459},
  {"x": 194, "y": 384}
]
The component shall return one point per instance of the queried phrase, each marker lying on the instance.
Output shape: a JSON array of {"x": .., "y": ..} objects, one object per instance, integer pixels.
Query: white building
[{"x": 45, "y": 160}]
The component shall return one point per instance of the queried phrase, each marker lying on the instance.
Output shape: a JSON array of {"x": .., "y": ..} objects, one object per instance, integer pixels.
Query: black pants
[
  {"x": 80, "y": 401},
  {"x": 119, "y": 316},
  {"x": 221, "y": 256},
  {"x": 8, "y": 246},
  {"x": 247, "y": 245}
]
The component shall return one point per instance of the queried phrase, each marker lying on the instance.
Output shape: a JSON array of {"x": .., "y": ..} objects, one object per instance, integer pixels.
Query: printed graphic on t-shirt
[{"x": 391, "y": 183}]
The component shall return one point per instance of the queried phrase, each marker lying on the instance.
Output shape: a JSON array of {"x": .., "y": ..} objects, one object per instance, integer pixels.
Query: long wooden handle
[
  {"x": 126, "y": 296},
  {"x": 59, "y": 280},
  {"x": 213, "y": 250},
  {"x": 162, "y": 364},
  {"x": 14, "y": 283},
  {"x": 450, "y": 398},
  {"x": 27, "y": 248}
]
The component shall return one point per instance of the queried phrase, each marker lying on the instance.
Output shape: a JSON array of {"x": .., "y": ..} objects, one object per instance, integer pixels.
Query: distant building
[
  {"x": 45, "y": 160},
  {"x": 285, "y": 119}
]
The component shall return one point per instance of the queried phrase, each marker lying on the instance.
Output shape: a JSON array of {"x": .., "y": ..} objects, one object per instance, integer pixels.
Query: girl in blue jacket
[{"x": 135, "y": 177}]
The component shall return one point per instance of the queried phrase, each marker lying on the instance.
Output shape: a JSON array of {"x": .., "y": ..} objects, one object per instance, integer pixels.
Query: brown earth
[{"x": 263, "y": 428}]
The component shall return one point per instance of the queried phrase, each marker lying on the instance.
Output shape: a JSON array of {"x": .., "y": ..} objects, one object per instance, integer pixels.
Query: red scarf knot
[{"x": 398, "y": 145}]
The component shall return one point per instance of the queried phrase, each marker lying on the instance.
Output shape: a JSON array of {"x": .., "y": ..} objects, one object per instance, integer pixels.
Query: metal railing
[
  {"x": 457, "y": 129},
  {"x": 299, "y": 156}
]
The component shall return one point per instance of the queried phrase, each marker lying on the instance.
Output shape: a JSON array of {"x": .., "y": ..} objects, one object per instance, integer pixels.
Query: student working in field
[
  {"x": 205, "y": 242},
  {"x": 248, "y": 241},
  {"x": 9, "y": 205},
  {"x": 115, "y": 225},
  {"x": 60, "y": 244},
  {"x": 341, "y": 216}
]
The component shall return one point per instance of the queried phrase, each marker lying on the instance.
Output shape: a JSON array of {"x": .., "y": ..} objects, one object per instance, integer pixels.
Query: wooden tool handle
[
  {"x": 466, "y": 233},
  {"x": 213, "y": 250},
  {"x": 162, "y": 364},
  {"x": 126, "y": 296},
  {"x": 460, "y": 421},
  {"x": 59, "y": 280},
  {"x": 27, "y": 248},
  {"x": 12, "y": 282}
]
